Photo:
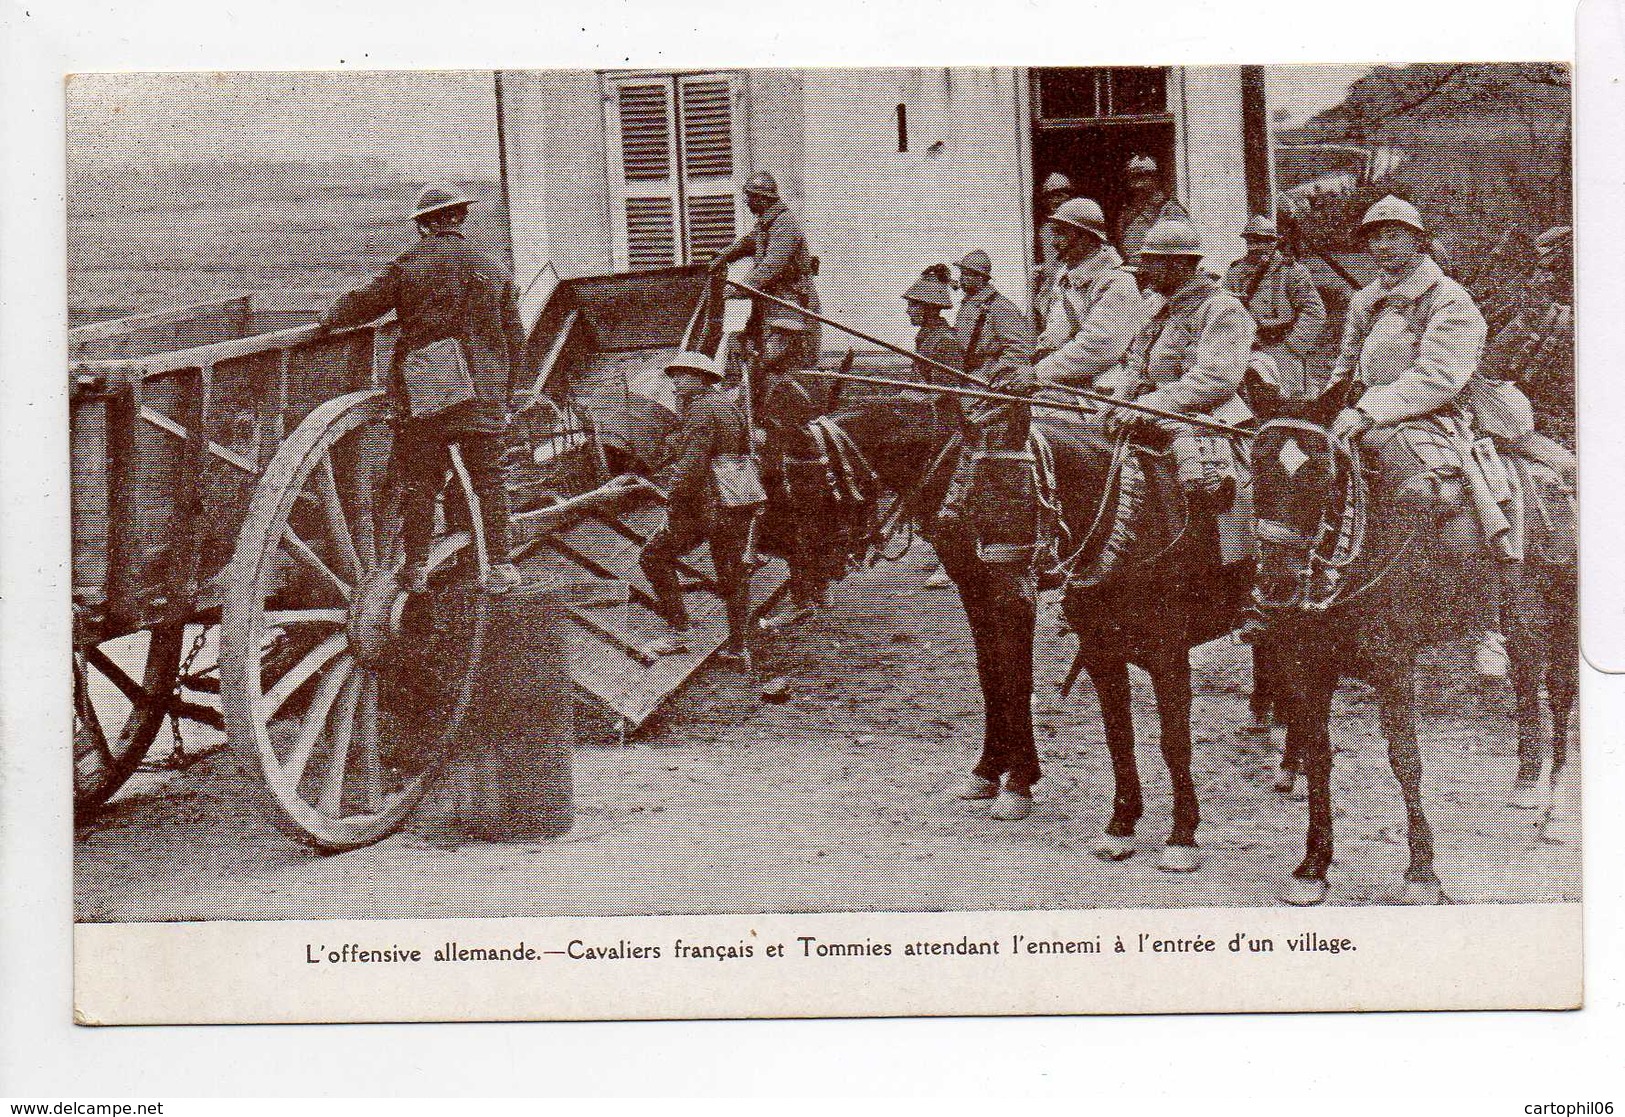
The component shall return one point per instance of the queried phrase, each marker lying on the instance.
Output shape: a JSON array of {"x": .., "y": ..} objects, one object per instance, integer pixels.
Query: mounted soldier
[
  {"x": 1057, "y": 191},
  {"x": 461, "y": 343},
  {"x": 1536, "y": 349},
  {"x": 1096, "y": 307},
  {"x": 1188, "y": 358},
  {"x": 1281, "y": 296},
  {"x": 1411, "y": 347},
  {"x": 779, "y": 340},
  {"x": 996, "y": 343}
]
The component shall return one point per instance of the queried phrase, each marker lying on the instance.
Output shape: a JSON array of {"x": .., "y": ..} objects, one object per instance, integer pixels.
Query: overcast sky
[{"x": 427, "y": 124}]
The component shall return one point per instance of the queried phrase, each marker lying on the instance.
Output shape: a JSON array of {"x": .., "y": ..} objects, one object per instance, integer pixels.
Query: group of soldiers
[{"x": 1128, "y": 313}]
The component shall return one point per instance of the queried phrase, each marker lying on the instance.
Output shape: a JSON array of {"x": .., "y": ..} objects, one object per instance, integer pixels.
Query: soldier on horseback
[
  {"x": 1411, "y": 346},
  {"x": 1188, "y": 358},
  {"x": 1282, "y": 298},
  {"x": 996, "y": 345},
  {"x": 1095, "y": 307}
]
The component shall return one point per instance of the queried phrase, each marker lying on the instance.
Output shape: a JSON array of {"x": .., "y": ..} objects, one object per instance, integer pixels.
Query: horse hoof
[
  {"x": 1302, "y": 893},
  {"x": 976, "y": 787},
  {"x": 1526, "y": 795},
  {"x": 1011, "y": 806},
  {"x": 1422, "y": 893},
  {"x": 1285, "y": 780},
  {"x": 1179, "y": 859},
  {"x": 1113, "y": 847}
]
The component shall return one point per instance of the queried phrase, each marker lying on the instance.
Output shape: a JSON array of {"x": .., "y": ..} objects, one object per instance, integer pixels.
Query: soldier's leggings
[
  {"x": 422, "y": 457},
  {"x": 727, "y": 532}
]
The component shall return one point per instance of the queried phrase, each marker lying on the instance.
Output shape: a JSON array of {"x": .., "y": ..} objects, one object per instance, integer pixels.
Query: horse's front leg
[
  {"x": 1308, "y": 728},
  {"x": 1520, "y": 618},
  {"x": 1396, "y": 697},
  {"x": 1110, "y": 677},
  {"x": 1002, "y": 627},
  {"x": 1171, "y": 680}
]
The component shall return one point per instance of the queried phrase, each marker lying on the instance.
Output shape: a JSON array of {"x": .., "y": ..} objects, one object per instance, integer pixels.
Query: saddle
[{"x": 1015, "y": 506}]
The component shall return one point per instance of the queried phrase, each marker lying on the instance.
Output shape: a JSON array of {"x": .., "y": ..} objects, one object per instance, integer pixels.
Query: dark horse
[
  {"x": 1172, "y": 595},
  {"x": 1347, "y": 590}
]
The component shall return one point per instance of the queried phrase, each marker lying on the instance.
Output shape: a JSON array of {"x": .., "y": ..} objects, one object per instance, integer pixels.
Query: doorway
[{"x": 1088, "y": 122}]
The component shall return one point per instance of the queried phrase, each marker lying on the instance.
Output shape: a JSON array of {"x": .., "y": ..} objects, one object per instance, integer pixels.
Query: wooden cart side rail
[
  {"x": 128, "y": 324},
  {"x": 205, "y": 356}
]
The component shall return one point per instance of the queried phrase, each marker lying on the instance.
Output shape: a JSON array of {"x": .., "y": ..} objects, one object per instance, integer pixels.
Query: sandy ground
[{"x": 836, "y": 801}]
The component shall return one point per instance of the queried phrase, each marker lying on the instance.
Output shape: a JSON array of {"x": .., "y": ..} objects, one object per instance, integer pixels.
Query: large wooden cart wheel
[
  {"x": 345, "y": 691},
  {"x": 121, "y": 689}
]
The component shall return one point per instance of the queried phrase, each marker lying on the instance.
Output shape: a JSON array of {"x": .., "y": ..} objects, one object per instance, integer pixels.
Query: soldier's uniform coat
[
  {"x": 1192, "y": 353},
  {"x": 1095, "y": 311},
  {"x": 782, "y": 266},
  {"x": 445, "y": 287},
  {"x": 1408, "y": 375},
  {"x": 1288, "y": 309}
]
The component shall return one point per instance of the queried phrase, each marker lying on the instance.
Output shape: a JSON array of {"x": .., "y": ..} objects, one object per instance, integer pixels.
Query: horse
[
  {"x": 1344, "y": 590},
  {"x": 1173, "y": 594}
]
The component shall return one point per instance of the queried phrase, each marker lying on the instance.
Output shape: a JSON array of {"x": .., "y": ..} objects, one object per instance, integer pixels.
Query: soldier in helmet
[
  {"x": 443, "y": 287},
  {"x": 1096, "y": 307},
  {"x": 996, "y": 341},
  {"x": 1056, "y": 192},
  {"x": 784, "y": 266},
  {"x": 1536, "y": 349},
  {"x": 712, "y": 425},
  {"x": 1281, "y": 296},
  {"x": 1188, "y": 358},
  {"x": 1411, "y": 343},
  {"x": 1148, "y": 202}
]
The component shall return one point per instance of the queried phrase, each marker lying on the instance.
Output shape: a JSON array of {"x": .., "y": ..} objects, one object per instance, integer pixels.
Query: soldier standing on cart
[
  {"x": 697, "y": 512},
  {"x": 443, "y": 289},
  {"x": 779, "y": 339}
]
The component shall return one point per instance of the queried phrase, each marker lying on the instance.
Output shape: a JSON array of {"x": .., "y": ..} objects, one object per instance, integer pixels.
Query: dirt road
[{"x": 836, "y": 801}]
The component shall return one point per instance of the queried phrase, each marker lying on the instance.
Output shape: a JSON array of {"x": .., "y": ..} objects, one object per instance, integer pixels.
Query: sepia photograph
[{"x": 550, "y": 494}]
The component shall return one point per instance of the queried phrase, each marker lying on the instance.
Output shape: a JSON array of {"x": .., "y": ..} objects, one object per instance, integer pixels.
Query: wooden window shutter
[
  {"x": 642, "y": 134},
  {"x": 710, "y": 201}
]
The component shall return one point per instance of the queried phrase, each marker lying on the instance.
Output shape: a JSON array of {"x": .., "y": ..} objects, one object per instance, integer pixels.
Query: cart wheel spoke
[
  {"x": 301, "y": 551},
  {"x": 117, "y": 714},
  {"x": 363, "y": 497},
  {"x": 301, "y": 673},
  {"x": 331, "y": 799},
  {"x": 367, "y": 727},
  {"x": 86, "y": 711},
  {"x": 338, "y": 525},
  {"x": 315, "y": 721}
]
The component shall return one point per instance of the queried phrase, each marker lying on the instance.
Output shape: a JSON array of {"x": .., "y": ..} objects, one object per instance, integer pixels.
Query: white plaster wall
[
  {"x": 1212, "y": 179},
  {"x": 876, "y": 216}
]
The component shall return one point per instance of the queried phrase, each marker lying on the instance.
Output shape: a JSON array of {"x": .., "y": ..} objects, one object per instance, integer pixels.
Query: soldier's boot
[
  {"x": 1125, "y": 525},
  {"x": 956, "y": 502}
]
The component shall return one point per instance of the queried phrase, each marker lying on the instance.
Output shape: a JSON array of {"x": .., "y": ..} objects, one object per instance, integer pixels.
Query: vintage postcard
[{"x": 615, "y": 544}]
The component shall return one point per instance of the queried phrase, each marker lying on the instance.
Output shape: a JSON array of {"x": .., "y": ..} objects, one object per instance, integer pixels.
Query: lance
[
  {"x": 898, "y": 349},
  {"x": 983, "y": 385},
  {"x": 1054, "y": 405}
]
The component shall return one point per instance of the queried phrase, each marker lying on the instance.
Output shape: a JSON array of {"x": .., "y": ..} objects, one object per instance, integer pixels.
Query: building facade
[{"x": 889, "y": 169}]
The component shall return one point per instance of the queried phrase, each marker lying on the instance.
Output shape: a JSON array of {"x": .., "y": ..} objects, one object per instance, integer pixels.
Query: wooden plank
[{"x": 609, "y": 635}]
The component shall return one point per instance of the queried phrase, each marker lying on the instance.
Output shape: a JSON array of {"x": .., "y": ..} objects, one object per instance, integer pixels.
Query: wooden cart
[{"x": 231, "y": 468}]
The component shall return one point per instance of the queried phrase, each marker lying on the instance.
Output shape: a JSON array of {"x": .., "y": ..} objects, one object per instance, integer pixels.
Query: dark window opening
[
  {"x": 1085, "y": 93},
  {"x": 902, "y": 128}
]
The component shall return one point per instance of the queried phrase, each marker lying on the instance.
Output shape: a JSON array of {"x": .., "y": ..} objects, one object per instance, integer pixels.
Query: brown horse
[
  {"x": 1171, "y": 595},
  {"x": 1350, "y": 590}
]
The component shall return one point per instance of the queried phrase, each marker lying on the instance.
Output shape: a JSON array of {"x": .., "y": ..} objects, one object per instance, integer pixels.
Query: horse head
[{"x": 1306, "y": 496}]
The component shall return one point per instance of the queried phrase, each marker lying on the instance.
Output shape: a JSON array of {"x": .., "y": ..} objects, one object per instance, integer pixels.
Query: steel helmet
[
  {"x": 689, "y": 361},
  {"x": 1395, "y": 211},
  {"x": 977, "y": 261},
  {"x": 1172, "y": 236},
  {"x": 1057, "y": 183},
  {"x": 1260, "y": 227},
  {"x": 438, "y": 197},
  {"x": 929, "y": 290},
  {"x": 1554, "y": 246},
  {"x": 1082, "y": 213},
  {"x": 762, "y": 184},
  {"x": 1141, "y": 165}
]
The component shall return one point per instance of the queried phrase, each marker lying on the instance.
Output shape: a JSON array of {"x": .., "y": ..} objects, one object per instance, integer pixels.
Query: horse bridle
[{"x": 1338, "y": 539}]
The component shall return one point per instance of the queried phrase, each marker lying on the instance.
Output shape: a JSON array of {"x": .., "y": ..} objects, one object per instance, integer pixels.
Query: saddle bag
[
  {"x": 738, "y": 481},
  {"x": 1004, "y": 500},
  {"x": 1207, "y": 469}
]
